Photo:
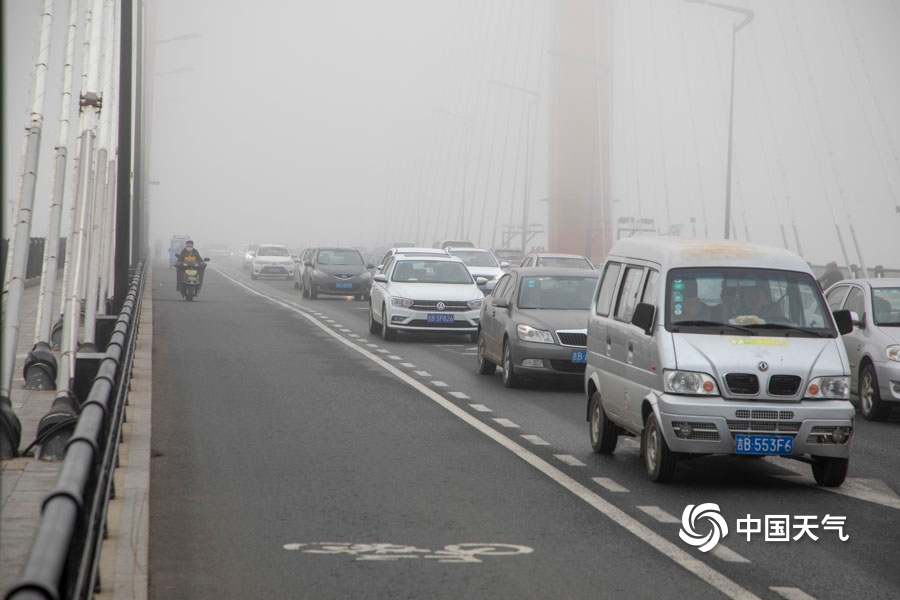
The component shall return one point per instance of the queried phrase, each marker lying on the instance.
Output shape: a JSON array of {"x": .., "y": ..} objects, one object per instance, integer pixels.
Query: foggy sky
[{"x": 363, "y": 123}]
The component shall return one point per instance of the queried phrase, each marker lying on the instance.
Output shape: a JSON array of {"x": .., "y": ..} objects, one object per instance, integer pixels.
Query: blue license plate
[
  {"x": 763, "y": 444},
  {"x": 434, "y": 318},
  {"x": 579, "y": 356},
  {"x": 344, "y": 285}
]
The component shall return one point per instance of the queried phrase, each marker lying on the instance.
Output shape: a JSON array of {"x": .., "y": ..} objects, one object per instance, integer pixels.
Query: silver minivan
[{"x": 717, "y": 347}]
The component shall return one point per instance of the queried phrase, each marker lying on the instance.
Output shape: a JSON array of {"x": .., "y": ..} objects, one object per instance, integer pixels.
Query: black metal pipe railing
[{"x": 65, "y": 554}]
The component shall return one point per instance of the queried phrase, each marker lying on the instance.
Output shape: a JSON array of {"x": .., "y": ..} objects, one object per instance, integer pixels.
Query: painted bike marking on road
[
  {"x": 569, "y": 460},
  {"x": 609, "y": 484},
  {"x": 480, "y": 408},
  {"x": 659, "y": 514},
  {"x": 467, "y": 553},
  {"x": 459, "y": 395},
  {"x": 671, "y": 550},
  {"x": 535, "y": 440},
  {"x": 506, "y": 423},
  {"x": 791, "y": 593}
]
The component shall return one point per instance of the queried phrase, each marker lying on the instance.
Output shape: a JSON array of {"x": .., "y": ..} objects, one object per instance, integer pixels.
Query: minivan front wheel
[
  {"x": 661, "y": 462},
  {"x": 870, "y": 404},
  {"x": 830, "y": 471},
  {"x": 604, "y": 435}
]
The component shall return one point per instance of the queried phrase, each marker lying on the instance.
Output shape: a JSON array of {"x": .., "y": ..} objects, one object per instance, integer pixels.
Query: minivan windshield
[{"x": 764, "y": 302}]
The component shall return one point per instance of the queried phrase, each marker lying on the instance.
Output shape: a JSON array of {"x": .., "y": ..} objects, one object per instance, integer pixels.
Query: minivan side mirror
[
  {"x": 845, "y": 320},
  {"x": 643, "y": 316}
]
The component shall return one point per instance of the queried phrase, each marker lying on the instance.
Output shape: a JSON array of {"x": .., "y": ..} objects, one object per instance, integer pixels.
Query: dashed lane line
[
  {"x": 422, "y": 373},
  {"x": 791, "y": 593},
  {"x": 725, "y": 553},
  {"x": 459, "y": 395},
  {"x": 536, "y": 440},
  {"x": 395, "y": 357},
  {"x": 480, "y": 408},
  {"x": 609, "y": 484},
  {"x": 659, "y": 514},
  {"x": 439, "y": 384},
  {"x": 654, "y": 540},
  {"x": 506, "y": 423},
  {"x": 569, "y": 460},
  {"x": 408, "y": 365}
]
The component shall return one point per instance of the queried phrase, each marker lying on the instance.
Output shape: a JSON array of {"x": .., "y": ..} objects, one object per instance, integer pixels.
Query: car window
[
  {"x": 836, "y": 296},
  {"x": 629, "y": 293},
  {"x": 431, "y": 271},
  {"x": 856, "y": 302},
  {"x": 607, "y": 287},
  {"x": 886, "y": 306},
  {"x": 387, "y": 265},
  {"x": 557, "y": 292},
  {"x": 651, "y": 288},
  {"x": 510, "y": 287},
  {"x": 501, "y": 286}
]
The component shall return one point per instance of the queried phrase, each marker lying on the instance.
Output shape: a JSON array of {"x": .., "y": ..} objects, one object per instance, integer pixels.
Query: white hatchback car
[
  {"x": 272, "y": 260},
  {"x": 424, "y": 293},
  {"x": 481, "y": 262}
]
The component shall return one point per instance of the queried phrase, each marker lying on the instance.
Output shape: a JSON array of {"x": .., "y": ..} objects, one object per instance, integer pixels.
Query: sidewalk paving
[{"x": 27, "y": 480}]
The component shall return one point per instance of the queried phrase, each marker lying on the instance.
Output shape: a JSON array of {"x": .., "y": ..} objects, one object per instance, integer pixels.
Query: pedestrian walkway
[{"x": 26, "y": 480}]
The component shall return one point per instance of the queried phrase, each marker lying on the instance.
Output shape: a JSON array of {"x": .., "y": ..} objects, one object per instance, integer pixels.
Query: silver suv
[{"x": 873, "y": 347}]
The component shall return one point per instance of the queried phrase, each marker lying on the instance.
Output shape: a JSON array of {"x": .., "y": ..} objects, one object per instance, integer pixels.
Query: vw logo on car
[{"x": 440, "y": 306}]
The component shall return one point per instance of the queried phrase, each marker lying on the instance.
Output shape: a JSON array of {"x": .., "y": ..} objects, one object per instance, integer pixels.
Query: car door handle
[
  {"x": 630, "y": 352},
  {"x": 608, "y": 346}
]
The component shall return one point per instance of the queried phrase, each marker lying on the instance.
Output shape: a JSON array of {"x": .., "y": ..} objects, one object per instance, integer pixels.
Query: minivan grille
[
  {"x": 784, "y": 385},
  {"x": 742, "y": 383}
]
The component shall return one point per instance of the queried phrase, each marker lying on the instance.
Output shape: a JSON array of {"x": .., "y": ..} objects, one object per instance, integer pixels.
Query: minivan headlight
[
  {"x": 532, "y": 334},
  {"x": 829, "y": 388},
  {"x": 689, "y": 382},
  {"x": 893, "y": 353},
  {"x": 404, "y": 302}
]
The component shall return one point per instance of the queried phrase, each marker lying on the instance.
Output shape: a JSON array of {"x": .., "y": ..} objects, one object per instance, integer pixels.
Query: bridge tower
[{"x": 580, "y": 215}]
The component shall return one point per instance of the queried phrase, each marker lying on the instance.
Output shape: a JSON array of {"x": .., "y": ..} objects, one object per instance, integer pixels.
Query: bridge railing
[
  {"x": 65, "y": 553},
  {"x": 35, "y": 262}
]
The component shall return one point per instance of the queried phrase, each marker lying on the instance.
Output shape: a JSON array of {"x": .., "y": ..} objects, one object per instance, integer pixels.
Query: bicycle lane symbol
[{"x": 452, "y": 553}]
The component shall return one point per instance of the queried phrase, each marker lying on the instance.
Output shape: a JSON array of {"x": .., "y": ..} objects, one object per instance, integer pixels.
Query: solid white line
[
  {"x": 727, "y": 554},
  {"x": 659, "y": 514},
  {"x": 458, "y": 395},
  {"x": 536, "y": 440},
  {"x": 569, "y": 460},
  {"x": 438, "y": 384},
  {"x": 506, "y": 423},
  {"x": 422, "y": 373},
  {"x": 791, "y": 593},
  {"x": 480, "y": 408},
  {"x": 666, "y": 547},
  {"x": 609, "y": 484}
]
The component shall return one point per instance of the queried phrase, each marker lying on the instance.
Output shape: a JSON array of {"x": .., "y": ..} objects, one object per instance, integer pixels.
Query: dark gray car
[
  {"x": 534, "y": 323},
  {"x": 336, "y": 271}
]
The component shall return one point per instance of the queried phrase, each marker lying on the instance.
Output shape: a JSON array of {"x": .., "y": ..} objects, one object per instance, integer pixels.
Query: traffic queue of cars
[{"x": 694, "y": 347}]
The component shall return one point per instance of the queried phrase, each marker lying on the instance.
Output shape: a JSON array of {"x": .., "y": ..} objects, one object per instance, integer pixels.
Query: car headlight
[
  {"x": 532, "y": 334},
  {"x": 404, "y": 302},
  {"x": 829, "y": 388},
  {"x": 689, "y": 382},
  {"x": 893, "y": 353},
  {"x": 475, "y": 304}
]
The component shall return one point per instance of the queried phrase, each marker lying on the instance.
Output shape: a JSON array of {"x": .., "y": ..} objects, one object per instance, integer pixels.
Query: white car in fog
[{"x": 272, "y": 260}]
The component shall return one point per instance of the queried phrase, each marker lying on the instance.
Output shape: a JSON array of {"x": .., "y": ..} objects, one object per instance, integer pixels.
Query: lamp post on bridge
[{"x": 748, "y": 16}]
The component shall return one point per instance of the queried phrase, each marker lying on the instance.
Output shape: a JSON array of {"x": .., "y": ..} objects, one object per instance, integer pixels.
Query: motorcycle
[{"x": 190, "y": 278}]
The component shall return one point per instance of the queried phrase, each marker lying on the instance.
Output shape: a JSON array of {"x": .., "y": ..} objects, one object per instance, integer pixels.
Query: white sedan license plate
[
  {"x": 763, "y": 444},
  {"x": 439, "y": 318}
]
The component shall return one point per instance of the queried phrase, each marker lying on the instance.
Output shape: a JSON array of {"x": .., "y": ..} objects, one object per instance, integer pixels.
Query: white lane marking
[
  {"x": 659, "y": 514},
  {"x": 354, "y": 335},
  {"x": 395, "y": 357},
  {"x": 459, "y": 395},
  {"x": 422, "y": 373},
  {"x": 643, "y": 533},
  {"x": 791, "y": 593},
  {"x": 629, "y": 441},
  {"x": 408, "y": 365},
  {"x": 536, "y": 440},
  {"x": 860, "y": 488},
  {"x": 725, "y": 553},
  {"x": 506, "y": 423},
  {"x": 569, "y": 460},
  {"x": 609, "y": 484},
  {"x": 344, "y": 329},
  {"x": 480, "y": 408},
  {"x": 382, "y": 351},
  {"x": 438, "y": 384},
  {"x": 372, "y": 345}
]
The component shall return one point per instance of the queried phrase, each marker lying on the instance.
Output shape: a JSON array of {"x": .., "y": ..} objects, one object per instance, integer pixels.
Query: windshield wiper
[
  {"x": 702, "y": 323},
  {"x": 785, "y": 326}
]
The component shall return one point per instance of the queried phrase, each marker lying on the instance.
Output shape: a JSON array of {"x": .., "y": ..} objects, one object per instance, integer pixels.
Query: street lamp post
[{"x": 748, "y": 16}]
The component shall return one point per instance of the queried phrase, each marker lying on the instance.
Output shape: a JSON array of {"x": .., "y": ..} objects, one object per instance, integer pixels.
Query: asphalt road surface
[{"x": 295, "y": 455}]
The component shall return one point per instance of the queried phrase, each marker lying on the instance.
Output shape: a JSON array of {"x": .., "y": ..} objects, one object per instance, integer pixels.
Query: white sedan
[
  {"x": 272, "y": 260},
  {"x": 424, "y": 293}
]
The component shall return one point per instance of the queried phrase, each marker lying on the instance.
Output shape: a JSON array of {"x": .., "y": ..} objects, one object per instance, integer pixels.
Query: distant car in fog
[
  {"x": 481, "y": 263},
  {"x": 272, "y": 260},
  {"x": 454, "y": 244},
  {"x": 511, "y": 255},
  {"x": 218, "y": 251},
  {"x": 556, "y": 259},
  {"x": 336, "y": 271},
  {"x": 248, "y": 255}
]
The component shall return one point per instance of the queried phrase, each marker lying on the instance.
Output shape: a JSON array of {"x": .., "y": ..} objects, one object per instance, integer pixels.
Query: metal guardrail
[
  {"x": 65, "y": 554},
  {"x": 34, "y": 266}
]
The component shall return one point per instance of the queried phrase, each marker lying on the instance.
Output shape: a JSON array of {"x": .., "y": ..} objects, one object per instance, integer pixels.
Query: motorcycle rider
[{"x": 190, "y": 258}]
